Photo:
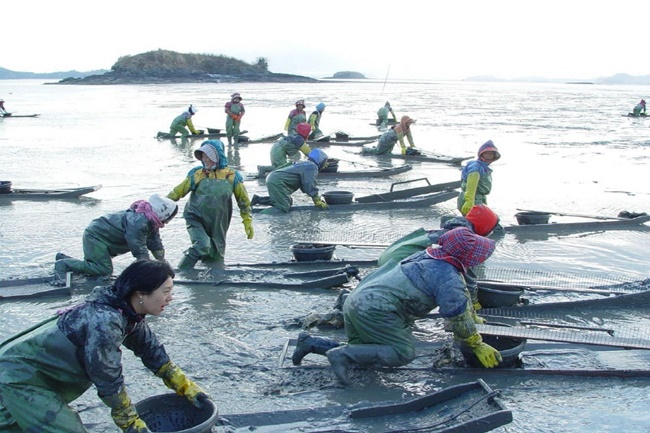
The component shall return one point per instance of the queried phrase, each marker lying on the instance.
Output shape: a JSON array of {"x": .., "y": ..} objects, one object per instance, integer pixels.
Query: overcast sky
[{"x": 417, "y": 39}]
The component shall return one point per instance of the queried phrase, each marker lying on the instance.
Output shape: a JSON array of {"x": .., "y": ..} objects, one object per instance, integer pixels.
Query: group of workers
[{"x": 49, "y": 365}]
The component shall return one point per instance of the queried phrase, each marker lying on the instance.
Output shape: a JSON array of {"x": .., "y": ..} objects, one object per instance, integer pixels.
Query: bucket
[
  {"x": 312, "y": 252},
  {"x": 510, "y": 349},
  {"x": 341, "y": 136},
  {"x": 332, "y": 166},
  {"x": 527, "y": 218},
  {"x": 213, "y": 131},
  {"x": 338, "y": 197},
  {"x": 490, "y": 297},
  {"x": 175, "y": 414},
  {"x": 5, "y": 187}
]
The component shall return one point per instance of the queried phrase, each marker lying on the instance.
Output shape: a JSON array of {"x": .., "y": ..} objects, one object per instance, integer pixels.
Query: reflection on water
[{"x": 554, "y": 158}]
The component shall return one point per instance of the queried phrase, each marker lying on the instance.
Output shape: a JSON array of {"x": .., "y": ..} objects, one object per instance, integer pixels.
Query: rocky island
[{"x": 162, "y": 66}]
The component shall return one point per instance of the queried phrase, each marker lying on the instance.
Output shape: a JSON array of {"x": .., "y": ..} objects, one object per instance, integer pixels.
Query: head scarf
[
  {"x": 462, "y": 248},
  {"x": 144, "y": 207}
]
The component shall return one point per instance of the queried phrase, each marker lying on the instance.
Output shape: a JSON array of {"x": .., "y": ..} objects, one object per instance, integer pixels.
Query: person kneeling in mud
[{"x": 379, "y": 312}]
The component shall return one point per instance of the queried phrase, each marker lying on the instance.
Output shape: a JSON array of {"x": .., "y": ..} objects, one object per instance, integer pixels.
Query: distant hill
[
  {"x": 614, "y": 79},
  {"x": 164, "y": 66},
  {"x": 6, "y": 74}
]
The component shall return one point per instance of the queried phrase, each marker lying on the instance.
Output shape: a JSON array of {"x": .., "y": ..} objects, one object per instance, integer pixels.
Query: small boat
[
  {"x": 360, "y": 143},
  {"x": 471, "y": 407},
  {"x": 410, "y": 192},
  {"x": 356, "y": 174},
  {"x": 419, "y": 202},
  {"x": 167, "y": 136},
  {"x": 614, "y": 223},
  {"x": 46, "y": 194},
  {"x": 423, "y": 157},
  {"x": 13, "y": 116}
]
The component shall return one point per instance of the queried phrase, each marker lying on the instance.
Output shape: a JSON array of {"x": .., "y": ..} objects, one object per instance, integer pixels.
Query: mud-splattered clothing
[
  {"x": 284, "y": 148},
  {"x": 209, "y": 210},
  {"x": 180, "y": 123},
  {"x": 286, "y": 180},
  {"x": 382, "y": 308},
  {"x": 112, "y": 235},
  {"x": 45, "y": 368}
]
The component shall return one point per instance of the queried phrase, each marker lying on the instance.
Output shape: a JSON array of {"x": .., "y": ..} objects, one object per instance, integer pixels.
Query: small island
[
  {"x": 163, "y": 66},
  {"x": 348, "y": 75}
]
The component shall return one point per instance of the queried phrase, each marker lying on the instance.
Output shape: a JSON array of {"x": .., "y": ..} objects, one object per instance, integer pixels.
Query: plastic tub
[
  {"x": 312, "y": 252},
  {"x": 5, "y": 187},
  {"x": 332, "y": 166},
  {"x": 527, "y": 218},
  {"x": 490, "y": 297},
  {"x": 338, "y": 197},
  {"x": 213, "y": 131},
  {"x": 510, "y": 349},
  {"x": 175, "y": 414}
]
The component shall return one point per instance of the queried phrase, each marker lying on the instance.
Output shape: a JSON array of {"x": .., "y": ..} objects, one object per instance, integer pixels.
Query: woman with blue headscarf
[{"x": 209, "y": 210}]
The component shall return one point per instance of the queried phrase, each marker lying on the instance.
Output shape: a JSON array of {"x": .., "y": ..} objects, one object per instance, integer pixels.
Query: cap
[
  {"x": 489, "y": 146},
  {"x": 303, "y": 129},
  {"x": 209, "y": 150},
  {"x": 164, "y": 207},
  {"x": 482, "y": 218}
]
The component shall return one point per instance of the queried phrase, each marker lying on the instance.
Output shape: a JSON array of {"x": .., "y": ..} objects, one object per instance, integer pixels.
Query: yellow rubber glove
[
  {"x": 470, "y": 192},
  {"x": 319, "y": 202},
  {"x": 486, "y": 354},
  {"x": 190, "y": 125},
  {"x": 477, "y": 306},
  {"x": 286, "y": 124},
  {"x": 477, "y": 319},
  {"x": 305, "y": 149},
  {"x": 248, "y": 228},
  {"x": 403, "y": 150},
  {"x": 175, "y": 379},
  {"x": 124, "y": 413},
  {"x": 159, "y": 254}
]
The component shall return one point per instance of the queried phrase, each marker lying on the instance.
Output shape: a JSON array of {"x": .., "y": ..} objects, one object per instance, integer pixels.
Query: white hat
[
  {"x": 164, "y": 207},
  {"x": 192, "y": 110}
]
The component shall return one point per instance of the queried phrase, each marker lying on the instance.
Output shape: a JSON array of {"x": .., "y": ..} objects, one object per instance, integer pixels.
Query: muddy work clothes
[
  {"x": 48, "y": 366},
  {"x": 110, "y": 236},
  {"x": 284, "y": 148},
  {"x": 295, "y": 117},
  {"x": 284, "y": 181},
  {"x": 180, "y": 123},
  {"x": 383, "y": 307},
  {"x": 209, "y": 210},
  {"x": 235, "y": 109},
  {"x": 419, "y": 240},
  {"x": 387, "y": 142},
  {"x": 484, "y": 183}
]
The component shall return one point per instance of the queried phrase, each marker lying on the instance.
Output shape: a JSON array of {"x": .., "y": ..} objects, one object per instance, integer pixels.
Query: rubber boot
[
  {"x": 61, "y": 256},
  {"x": 229, "y": 140},
  {"x": 261, "y": 200},
  {"x": 366, "y": 355},
  {"x": 187, "y": 262},
  {"x": 307, "y": 344}
]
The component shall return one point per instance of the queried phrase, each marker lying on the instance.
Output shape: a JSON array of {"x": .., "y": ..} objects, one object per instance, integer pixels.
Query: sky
[{"x": 419, "y": 39}]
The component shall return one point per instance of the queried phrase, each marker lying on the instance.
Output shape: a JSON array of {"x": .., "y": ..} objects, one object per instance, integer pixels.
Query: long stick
[
  {"x": 386, "y": 79},
  {"x": 573, "y": 215}
]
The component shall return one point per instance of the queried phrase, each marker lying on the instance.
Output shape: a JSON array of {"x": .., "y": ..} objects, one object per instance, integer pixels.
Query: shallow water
[{"x": 565, "y": 148}]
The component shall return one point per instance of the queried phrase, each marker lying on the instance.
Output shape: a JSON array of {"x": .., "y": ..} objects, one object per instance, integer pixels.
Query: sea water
[{"x": 565, "y": 148}]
